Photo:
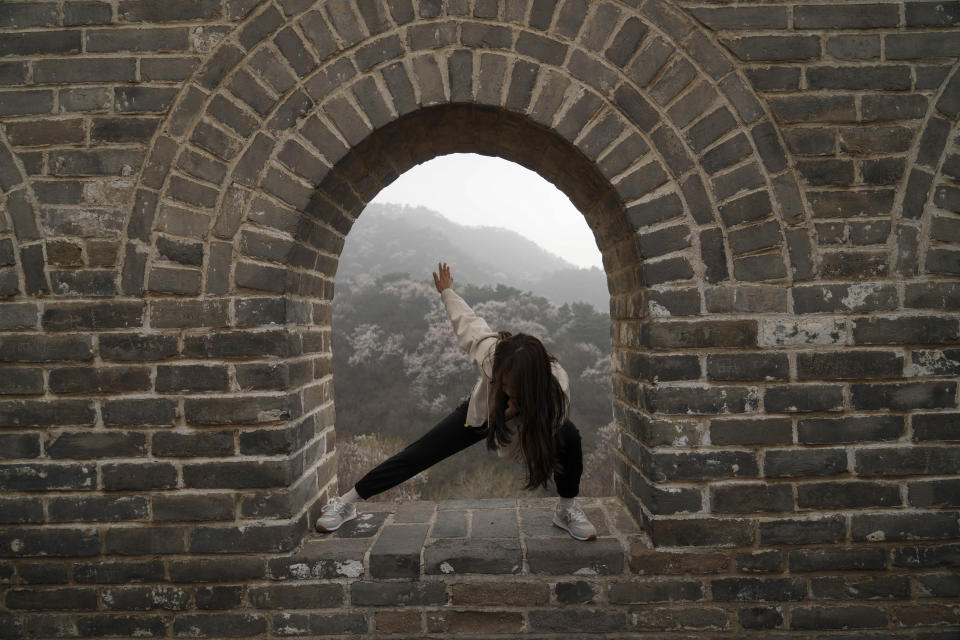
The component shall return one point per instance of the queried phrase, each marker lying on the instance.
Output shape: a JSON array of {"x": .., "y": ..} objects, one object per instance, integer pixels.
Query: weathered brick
[
  {"x": 920, "y": 45},
  {"x": 904, "y": 526},
  {"x": 699, "y": 466},
  {"x": 176, "y": 314},
  {"x": 27, "y": 413},
  {"x": 192, "y": 378},
  {"x": 759, "y": 589},
  {"x": 751, "y": 432},
  {"x": 19, "y": 445},
  {"x": 643, "y": 590},
  {"x": 750, "y": 498},
  {"x": 767, "y": 561},
  {"x": 197, "y": 444},
  {"x": 747, "y": 367},
  {"x": 849, "y": 429},
  {"x": 916, "y": 460},
  {"x": 819, "y": 530},
  {"x": 139, "y": 476},
  {"x": 804, "y": 462},
  {"x": 61, "y": 542},
  {"x": 567, "y": 620},
  {"x": 96, "y": 445},
  {"x": 904, "y": 396},
  {"x": 21, "y": 381},
  {"x": 936, "y": 426},
  {"x": 221, "y": 624},
  {"x": 801, "y": 398},
  {"x": 845, "y": 559},
  {"x": 934, "y": 493},
  {"x": 386, "y": 594},
  {"x": 847, "y": 495},
  {"x": 293, "y": 596},
  {"x": 138, "y": 413},
  {"x": 774, "y": 48},
  {"x": 63, "y": 599},
  {"x": 849, "y": 365}
]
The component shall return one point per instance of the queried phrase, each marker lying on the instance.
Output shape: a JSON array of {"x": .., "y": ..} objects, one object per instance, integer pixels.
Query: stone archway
[{"x": 297, "y": 120}]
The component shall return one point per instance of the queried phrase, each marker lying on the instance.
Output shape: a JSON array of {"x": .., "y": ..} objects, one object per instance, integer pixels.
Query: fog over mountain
[{"x": 389, "y": 238}]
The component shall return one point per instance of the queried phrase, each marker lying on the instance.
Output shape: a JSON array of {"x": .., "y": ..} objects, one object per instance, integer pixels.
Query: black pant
[{"x": 451, "y": 436}]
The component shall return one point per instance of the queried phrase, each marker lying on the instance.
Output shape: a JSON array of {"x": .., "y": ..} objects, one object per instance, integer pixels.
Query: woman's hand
[{"x": 444, "y": 280}]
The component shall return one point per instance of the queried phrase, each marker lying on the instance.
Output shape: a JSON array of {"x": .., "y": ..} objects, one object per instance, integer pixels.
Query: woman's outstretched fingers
[{"x": 444, "y": 280}]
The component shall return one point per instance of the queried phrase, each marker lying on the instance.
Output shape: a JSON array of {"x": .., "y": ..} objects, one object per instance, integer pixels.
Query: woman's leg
[
  {"x": 447, "y": 438},
  {"x": 570, "y": 456}
]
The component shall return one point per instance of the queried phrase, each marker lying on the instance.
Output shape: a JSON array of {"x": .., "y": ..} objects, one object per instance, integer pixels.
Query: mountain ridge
[{"x": 391, "y": 238}]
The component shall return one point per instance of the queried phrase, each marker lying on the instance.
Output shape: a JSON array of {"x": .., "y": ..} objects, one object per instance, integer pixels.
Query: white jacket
[{"x": 479, "y": 341}]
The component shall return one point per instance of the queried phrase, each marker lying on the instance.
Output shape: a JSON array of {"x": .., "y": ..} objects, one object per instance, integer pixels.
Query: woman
[{"x": 519, "y": 405}]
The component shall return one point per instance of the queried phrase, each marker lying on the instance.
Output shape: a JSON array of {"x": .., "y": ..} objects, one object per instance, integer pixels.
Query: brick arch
[
  {"x": 274, "y": 147},
  {"x": 932, "y": 184},
  {"x": 610, "y": 101}
]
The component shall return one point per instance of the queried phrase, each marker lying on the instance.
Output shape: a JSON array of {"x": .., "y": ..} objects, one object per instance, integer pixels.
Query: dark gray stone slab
[
  {"x": 396, "y": 553},
  {"x": 412, "y": 512},
  {"x": 559, "y": 556},
  {"x": 450, "y": 524},
  {"x": 490, "y": 503},
  {"x": 495, "y": 523},
  {"x": 472, "y": 555}
]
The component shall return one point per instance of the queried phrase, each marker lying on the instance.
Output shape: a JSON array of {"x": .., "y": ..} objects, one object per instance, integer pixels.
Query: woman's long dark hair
[{"x": 523, "y": 360}]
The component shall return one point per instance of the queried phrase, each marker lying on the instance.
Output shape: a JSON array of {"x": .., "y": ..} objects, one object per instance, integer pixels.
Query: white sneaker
[
  {"x": 574, "y": 521},
  {"x": 335, "y": 513}
]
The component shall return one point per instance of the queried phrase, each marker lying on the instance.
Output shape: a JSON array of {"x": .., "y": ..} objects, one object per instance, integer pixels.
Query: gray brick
[
  {"x": 544, "y": 49},
  {"x": 189, "y": 445},
  {"x": 46, "y": 477},
  {"x": 854, "y": 16},
  {"x": 98, "y": 162},
  {"x": 847, "y": 495},
  {"x": 747, "y": 367},
  {"x": 219, "y": 65},
  {"x": 123, "y": 129},
  {"x": 173, "y": 280},
  {"x": 755, "y": 238},
  {"x": 726, "y": 154},
  {"x": 17, "y": 445},
  {"x": 854, "y": 47},
  {"x": 921, "y": 45},
  {"x": 77, "y": 70},
  {"x": 69, "y": 316},
  {"x": 825, "y": 530},
  {"x": 40, "y": 42},
  {"x": 136, "y": 413},
  {"x": 751, "y": 498},
  {"x": 384, "y": 594},
  {"x": 751, "y": 432},
  {"x": 672, "y": 81},
  {"x": 774, "y": 48},
  {"x": 636, "y": 107},
  {"x": 387, "y": 48},
  {"x": 139, "y": 39},
  {"x": 99, "y": 380}
]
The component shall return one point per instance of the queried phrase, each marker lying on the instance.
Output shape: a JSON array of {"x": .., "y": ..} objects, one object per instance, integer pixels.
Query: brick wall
[{"x": 773, "y": 186}]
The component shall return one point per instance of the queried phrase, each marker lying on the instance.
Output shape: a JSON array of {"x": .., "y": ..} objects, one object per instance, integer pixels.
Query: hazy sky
[{"x": 479, "y": 190}]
